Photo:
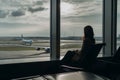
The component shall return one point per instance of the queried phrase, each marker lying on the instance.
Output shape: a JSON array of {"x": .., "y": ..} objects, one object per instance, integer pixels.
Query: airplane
[
  {"x": 26, "y": 41},
  {"x": 47, "y": 49}
]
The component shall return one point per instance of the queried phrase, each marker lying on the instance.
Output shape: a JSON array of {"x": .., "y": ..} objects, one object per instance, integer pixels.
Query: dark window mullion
[{"x": 55, "y": 29}]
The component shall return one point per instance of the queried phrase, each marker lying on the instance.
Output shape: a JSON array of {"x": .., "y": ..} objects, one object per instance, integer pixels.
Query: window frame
[
  {"x": 109, "y": 26},
  {"x": 55, "y": 30}
]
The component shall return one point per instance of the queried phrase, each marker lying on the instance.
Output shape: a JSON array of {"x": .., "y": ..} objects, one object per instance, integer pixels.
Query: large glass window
[
  {"x": 24, "y": 29},
  {"x": 75, "y": 15},
  {"x": 25, "y": 26}
]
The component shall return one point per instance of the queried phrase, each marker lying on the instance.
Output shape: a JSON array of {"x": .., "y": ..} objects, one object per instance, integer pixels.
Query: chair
[
  {"x": 110, "y": 66},
  {"x": 88, "y": 59},
  {"x": 116, "y": 56}
]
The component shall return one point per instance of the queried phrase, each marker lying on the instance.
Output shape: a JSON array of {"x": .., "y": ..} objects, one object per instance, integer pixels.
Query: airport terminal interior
[{"x": 35, "y": 36}]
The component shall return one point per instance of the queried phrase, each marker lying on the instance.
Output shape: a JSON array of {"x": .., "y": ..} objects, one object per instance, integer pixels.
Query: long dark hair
[{"x": 88, "y": 32}]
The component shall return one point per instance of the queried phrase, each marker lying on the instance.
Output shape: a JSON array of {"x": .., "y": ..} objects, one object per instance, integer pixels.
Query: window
[
  {"x": 75, "y": 14},
  {"x": 118, "y": 24},
  {"x": 24, "y": 29}
]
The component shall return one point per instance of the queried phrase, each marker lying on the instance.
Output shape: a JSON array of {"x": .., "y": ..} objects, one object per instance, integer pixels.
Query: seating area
[{"x": 53, "y": 70}]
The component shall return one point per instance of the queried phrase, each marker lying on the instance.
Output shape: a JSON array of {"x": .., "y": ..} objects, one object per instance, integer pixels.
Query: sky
[{"x": 32, "y": 17}]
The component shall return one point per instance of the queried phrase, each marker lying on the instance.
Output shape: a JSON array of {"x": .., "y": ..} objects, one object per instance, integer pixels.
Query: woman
[
  {"x": 78, "y": 56},
  {"x": 88, "y": 41},
  {"x": 88, "y": 38}
]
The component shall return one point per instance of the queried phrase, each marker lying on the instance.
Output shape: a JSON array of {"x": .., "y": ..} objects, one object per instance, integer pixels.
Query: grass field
[
  {"x": 20, "y": 48},
  {"x": 15, "y": 48}
]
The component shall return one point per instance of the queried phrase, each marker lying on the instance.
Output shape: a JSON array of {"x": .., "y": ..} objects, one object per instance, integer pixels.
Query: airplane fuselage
[{"x": 27, "y": 42}]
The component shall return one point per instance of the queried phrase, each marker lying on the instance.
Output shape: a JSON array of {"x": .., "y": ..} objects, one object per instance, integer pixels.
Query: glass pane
[
  {"x": 24, "y": 29},
  {"x": 118, "y": 24},
  {"x": 75, "y": 15}
]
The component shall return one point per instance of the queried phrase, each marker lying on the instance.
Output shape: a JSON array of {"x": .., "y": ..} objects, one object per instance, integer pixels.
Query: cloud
[
  {"x": 36, "y": 9},
  {"x": 38, "y": 6},
  {"x": 3, "y": 13},
  {"x": 39, "y": 3},
  {"x": 118, "y": 7},
  {"x": 84, "y": 8},
  {"x": 17, "y": 8},
  {"x": 77, "y": 1},
  {"x": 18, "y": 13},
  {"x": 32, "y": 17}
]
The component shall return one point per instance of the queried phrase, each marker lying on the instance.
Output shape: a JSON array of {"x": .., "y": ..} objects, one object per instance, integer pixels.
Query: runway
[
  {"x": 27, "y": 54},
  {"x": 23, "y": 54}
]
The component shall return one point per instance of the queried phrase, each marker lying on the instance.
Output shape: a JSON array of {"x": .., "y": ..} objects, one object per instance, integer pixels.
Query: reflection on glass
[
  {"x": 75, "y": 14},
  {"x": 24, "y": 28}
]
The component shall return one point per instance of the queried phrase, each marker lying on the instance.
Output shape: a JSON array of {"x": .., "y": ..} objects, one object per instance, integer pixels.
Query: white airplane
[{"x": 26, "y": 41}]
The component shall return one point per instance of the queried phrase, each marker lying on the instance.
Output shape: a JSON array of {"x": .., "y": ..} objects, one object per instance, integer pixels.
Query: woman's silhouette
[
  {"x": 88, "y": 41},
  {"x": 88, "y": 38},
  {"x": 78, "y": 55}
]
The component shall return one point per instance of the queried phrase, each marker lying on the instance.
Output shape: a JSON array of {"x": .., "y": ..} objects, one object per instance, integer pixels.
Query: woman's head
[{"x": 88, "y": 32}]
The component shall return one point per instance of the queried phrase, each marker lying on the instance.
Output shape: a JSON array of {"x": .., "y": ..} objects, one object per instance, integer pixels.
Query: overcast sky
[{"x": 32, "y": 17}]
